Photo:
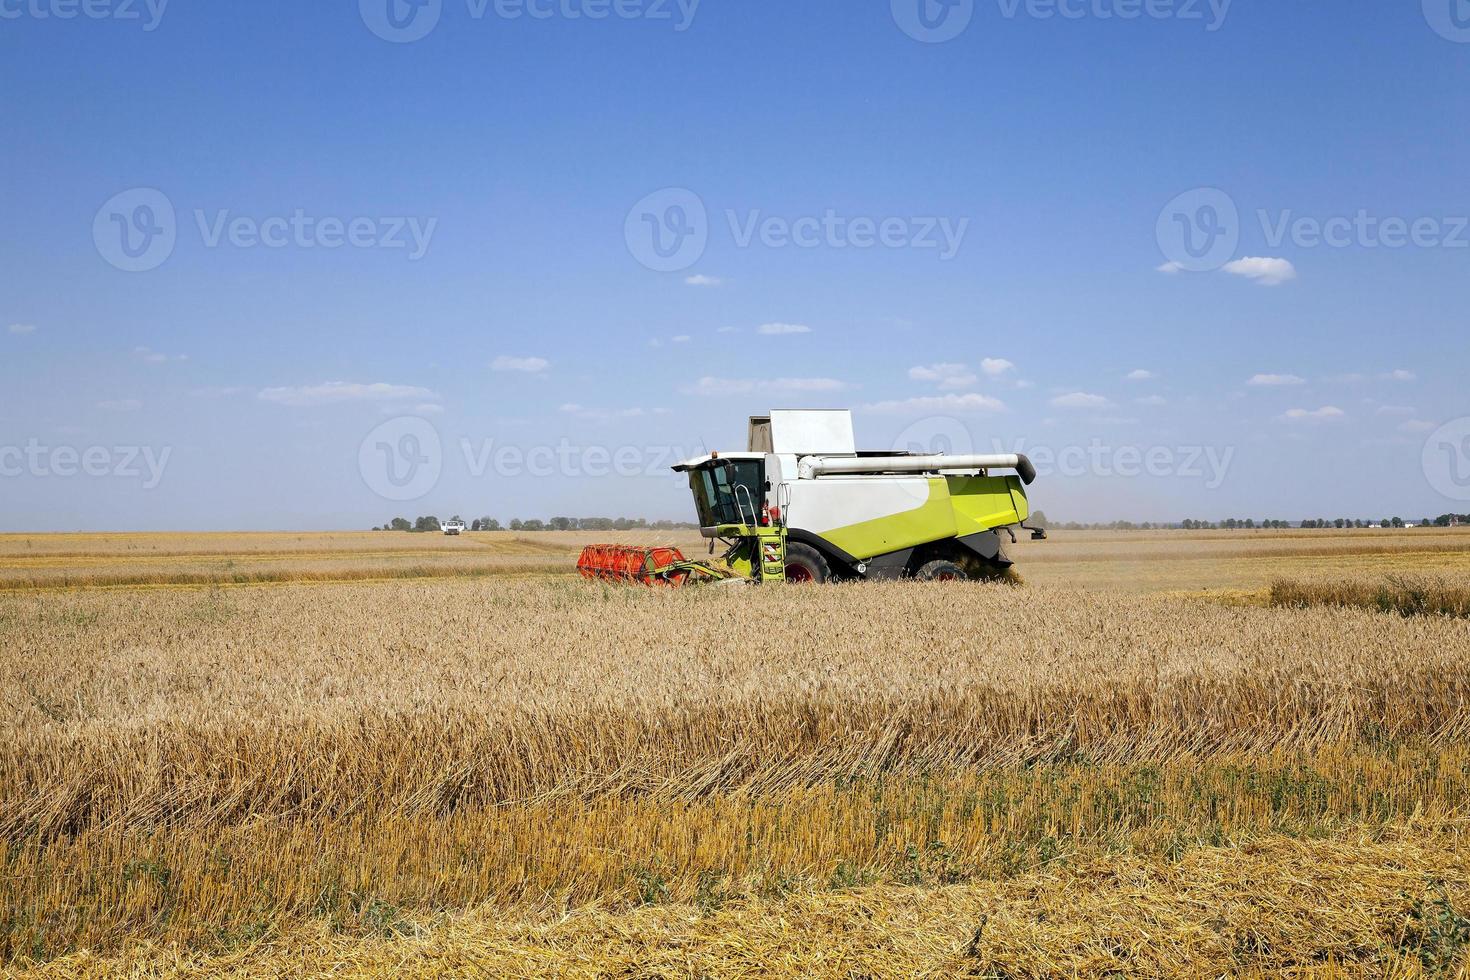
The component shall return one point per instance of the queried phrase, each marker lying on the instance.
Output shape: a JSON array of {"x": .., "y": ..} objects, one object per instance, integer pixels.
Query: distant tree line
[
  {"x": 1443, "y": 520},
  {"x": 430, "y": 523},
  {"x": 1233, "y": 524},
  {"x": 1236, "y": 523},
  {"x": 1038, "y": 519}
]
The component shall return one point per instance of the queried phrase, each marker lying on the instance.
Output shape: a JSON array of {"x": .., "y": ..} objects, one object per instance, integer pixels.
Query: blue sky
[{"x": 286, "y": 266}]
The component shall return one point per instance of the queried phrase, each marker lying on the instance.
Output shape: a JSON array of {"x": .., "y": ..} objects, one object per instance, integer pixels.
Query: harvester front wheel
[
  {"x": 942, "y": 571},
  {"x": 805, "y": 564}
]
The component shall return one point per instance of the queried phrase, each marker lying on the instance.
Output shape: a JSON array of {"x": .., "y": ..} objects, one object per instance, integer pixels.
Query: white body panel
[
  {"x": 803, "y": 432},
  {"x": 835, "y": 502}
]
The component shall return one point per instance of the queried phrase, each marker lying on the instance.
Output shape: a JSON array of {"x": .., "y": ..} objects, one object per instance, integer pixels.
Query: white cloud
[
  {"x": 742, "y": 386},
  {"x": 804, "y": 384},
  {"x": 1152, "y": 400},
  {"x": 1327, "y": 413},
  {"x": 1266, "y": 272},
  {"x": 524, "y": 365},
  {"x": 1415, "y": 425},
  {"x": 1170, "y": 268},
  {"x": 683, "y": 338},
  {"x": 780, "y": 329},
  {"x": 947, "y": 376},
  {"x": 1140, "y": 374},
  {"x": 21, "y": 328},
  {"x": 1080, "y": 399},
  {"x": 602, "y": 414},
  {"x": 158, "y": 357},
  {"x": 722, "y": 386},
  {"x": 428, "y": 408},
  {"x": 932, "y": 404},
  {"x": 336, "y": 392},
  {"x": 1398, "y": 410},
  {"x": 1274, "y": 380},
  {"x": 702, "y": 280},
  {"x": 728, "y": 330},
  {"x": 120, "y": 405},
  {"x": 996, "y": 366},
  {"x": 1401, "y": 375}
]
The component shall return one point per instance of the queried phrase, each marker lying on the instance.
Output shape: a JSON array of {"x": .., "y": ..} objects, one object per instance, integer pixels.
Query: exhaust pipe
[{"x": 812, "y": 467}]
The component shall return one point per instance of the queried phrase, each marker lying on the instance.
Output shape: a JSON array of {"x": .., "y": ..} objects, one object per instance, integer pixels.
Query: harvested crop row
[
  {"x": 1405, "y": 595},
  {"x": 418, "y": 697},
  {"x": 1347, "y": 907},
  {"x": 200, "y": 766}
]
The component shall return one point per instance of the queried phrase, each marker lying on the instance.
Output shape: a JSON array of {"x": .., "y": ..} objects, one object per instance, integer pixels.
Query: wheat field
[{"x": 525, "y": 774}]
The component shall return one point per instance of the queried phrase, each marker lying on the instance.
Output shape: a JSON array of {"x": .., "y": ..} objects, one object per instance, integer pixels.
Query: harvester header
[{"x": 803, "y": 504}]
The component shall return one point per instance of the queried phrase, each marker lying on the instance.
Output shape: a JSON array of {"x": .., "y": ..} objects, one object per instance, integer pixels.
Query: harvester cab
[
  {"x": 738, "y": 504},
  {"x": 803, "y": 504}
]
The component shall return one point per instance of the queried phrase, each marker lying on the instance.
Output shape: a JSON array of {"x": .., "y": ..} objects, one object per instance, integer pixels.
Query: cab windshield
[{"x": 729, "y": 491}]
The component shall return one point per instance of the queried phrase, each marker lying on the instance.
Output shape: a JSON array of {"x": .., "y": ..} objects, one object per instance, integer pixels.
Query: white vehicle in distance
[{"x": 455, "y": 528}]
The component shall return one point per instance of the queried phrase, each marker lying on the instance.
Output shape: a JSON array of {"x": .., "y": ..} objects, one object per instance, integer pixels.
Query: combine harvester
[{"x": 802, "y": 504}]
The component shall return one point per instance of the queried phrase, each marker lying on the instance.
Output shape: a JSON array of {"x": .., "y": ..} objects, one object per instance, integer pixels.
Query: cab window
[{"x": 729, "y": 492}]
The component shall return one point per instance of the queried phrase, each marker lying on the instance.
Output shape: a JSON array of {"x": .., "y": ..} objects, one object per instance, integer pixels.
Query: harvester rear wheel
[
  {"x": 942, "y": 571},
  {"x": 805, "y": 564}
]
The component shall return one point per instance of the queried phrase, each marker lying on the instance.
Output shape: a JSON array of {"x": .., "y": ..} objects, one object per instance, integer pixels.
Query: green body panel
[
  {"x": 957, "y": 506},
  {"x": 985, "y": 502}
]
